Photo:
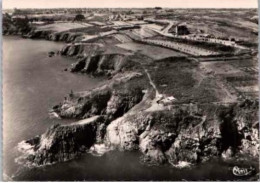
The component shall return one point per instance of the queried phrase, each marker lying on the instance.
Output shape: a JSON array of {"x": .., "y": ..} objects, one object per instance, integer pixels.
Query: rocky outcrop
[
  {"x": 107, "y": 100},
  {"x": 62, "y": 142},
  {"x": 188, "y": 135},
  {"x": 53, "y": 36},
  {"x": 156, "y": 134},
  {"x": 185, "y": 133},
  {"x": 93, "y": 59},
  {"x": 98, "y": 108},
  {"x": 81, "y": 49},
  {"x": 65, "y": 36},
  {"x": 107, "y": 64},
  {"x": 243, "y": 125},
  {"x": 26, "y": 31}
]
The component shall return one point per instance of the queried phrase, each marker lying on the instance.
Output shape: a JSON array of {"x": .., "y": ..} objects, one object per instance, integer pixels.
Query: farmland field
[
  {"x": 154, "y": 52},
  {"x": 61, "y": 27}
]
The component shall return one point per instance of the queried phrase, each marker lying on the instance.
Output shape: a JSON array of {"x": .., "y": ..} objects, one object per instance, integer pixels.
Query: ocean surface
[{"x": 32, "y": 84}]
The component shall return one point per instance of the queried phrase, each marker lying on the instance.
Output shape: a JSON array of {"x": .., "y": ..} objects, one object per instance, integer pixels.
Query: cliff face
[
  {"x": 21, "y": 27},
  {"x": 93, "y": 59},
  {"x": 97, "y": 108},
  {"x": 53, "y": 36},
  {"x": 108, "y": 100},
  {"x": 63, "y": 142},
  {"x": 245, "y": 127},
  {"x": 117, "y": 115},
  {"x": 119, "y": 119},
  {"x": 188, "y": 135},
  {"x": 100, "y": 64},
  {"x": 163, "y": 136}
]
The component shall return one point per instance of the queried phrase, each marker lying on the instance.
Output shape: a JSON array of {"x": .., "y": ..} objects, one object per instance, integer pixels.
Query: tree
[
  {"x": 79, "y": 17},
  {"x": 158, "y": 8},
  {"x": 21, "y": 22}
]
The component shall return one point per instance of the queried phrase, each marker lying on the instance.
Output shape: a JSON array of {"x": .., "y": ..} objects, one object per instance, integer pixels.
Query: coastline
[
  {"x": 177, "y": 122},
  {"x": 146, "y": 136}
]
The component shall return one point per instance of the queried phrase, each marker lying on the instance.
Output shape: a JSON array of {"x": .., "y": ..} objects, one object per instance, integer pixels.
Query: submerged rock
[{"x": 51, "y": 53}]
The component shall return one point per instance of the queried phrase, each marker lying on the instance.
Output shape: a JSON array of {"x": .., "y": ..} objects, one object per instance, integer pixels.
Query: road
[{"x": 166, "y": 30}]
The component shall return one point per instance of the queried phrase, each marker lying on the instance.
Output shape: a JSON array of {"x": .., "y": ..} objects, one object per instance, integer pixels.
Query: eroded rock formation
[
  {"x": 63, "y": 142},
  {"x": 191, "y": 133},
  {"x": 180, "y": 132}
]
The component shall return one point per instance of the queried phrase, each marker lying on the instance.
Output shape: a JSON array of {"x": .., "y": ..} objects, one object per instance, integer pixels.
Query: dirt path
[
  {"x": 155, "y": 106},
  {"x": 152, "y": 83}
]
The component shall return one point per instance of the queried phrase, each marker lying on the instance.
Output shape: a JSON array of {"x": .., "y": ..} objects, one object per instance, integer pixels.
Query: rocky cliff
[
  {"x": 189, "y": 133},
  {"x": 62, "y": 142},
  {"x": 100, "y": 64},
  {"x": 53, "y": 36},
  {"x": 97, "y": 108},
  {"x": 117, "y": 116},
  {"x": 22, "y": 27},
  {"x": 113, "y": 99},
  {"x": 93, "y": 59}
]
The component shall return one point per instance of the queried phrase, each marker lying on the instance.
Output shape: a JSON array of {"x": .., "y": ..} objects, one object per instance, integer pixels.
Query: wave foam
[
  {"x": 25, "y": 148},
  {"x": 99, "y": 149},
  {"x": 181, "y": 164}
]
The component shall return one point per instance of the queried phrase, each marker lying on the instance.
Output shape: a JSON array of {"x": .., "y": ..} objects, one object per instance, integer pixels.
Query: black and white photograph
[{"x": 130, "y": 90}]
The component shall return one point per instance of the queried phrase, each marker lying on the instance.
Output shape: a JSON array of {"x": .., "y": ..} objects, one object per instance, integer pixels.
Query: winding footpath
[{"x": 155, "y": 105}]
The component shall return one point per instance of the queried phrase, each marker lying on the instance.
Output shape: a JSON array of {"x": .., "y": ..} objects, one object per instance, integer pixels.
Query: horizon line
[
  {"x": 178, "y": 4},
  {"x": 136, "y": 8}
]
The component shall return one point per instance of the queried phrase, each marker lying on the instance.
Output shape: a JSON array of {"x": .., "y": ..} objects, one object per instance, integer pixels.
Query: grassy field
[
  {"x": 241, "y": 74},
  {"x": 225, "y": 23},
  {"x": 184, "y": 80},
  {"x": 94, "y": 30},
  {"x": 154, "y": 26},
  {"x": 221, "y": 67},
  {"x": 61, "y": 27},
  {"x": 154, "y": 52}
]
